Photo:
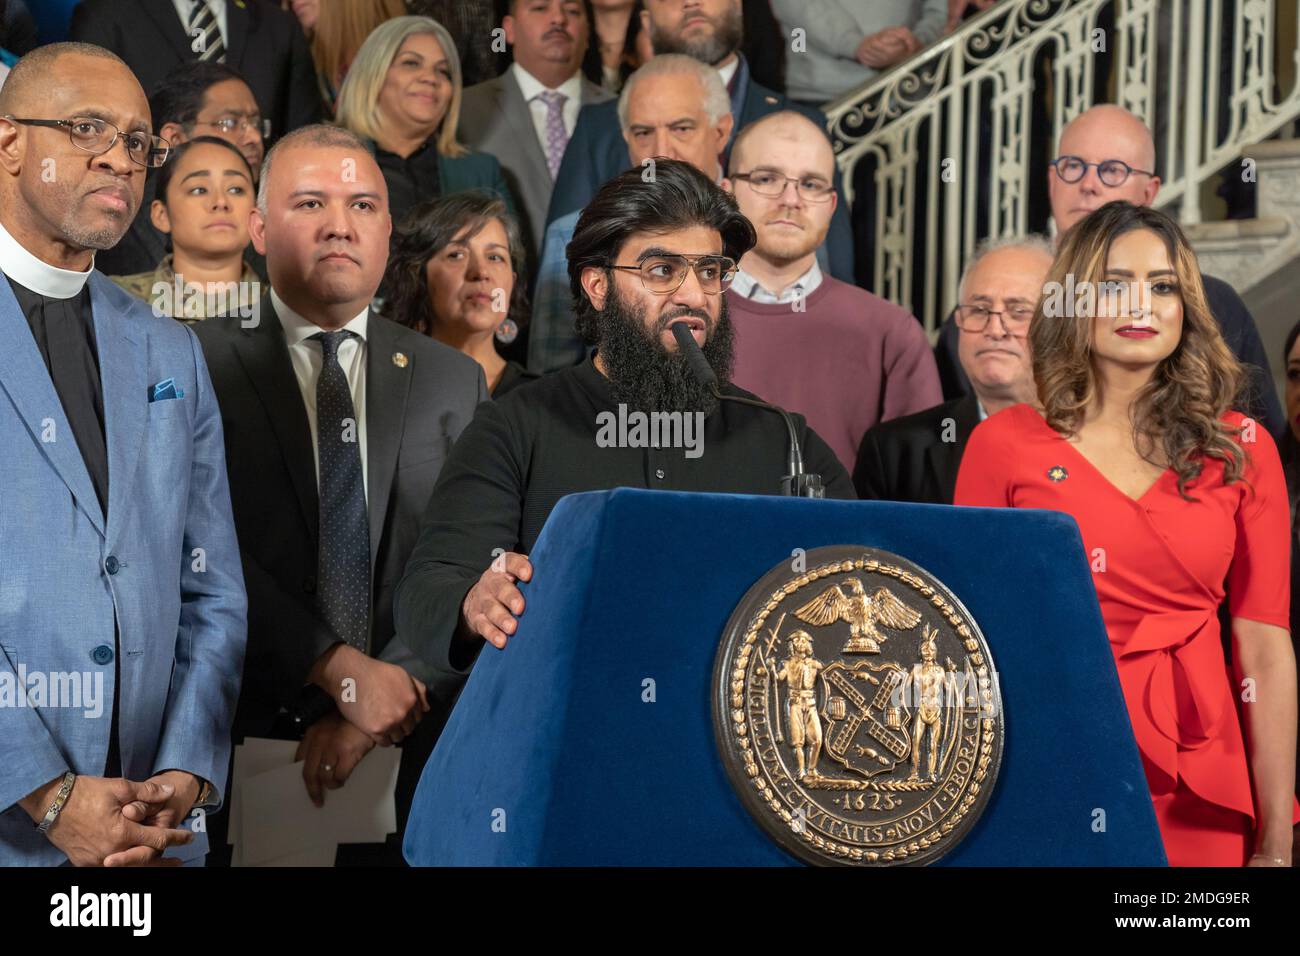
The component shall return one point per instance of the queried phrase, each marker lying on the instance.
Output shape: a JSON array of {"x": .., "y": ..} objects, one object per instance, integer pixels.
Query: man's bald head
[
  {"x": 1103, "y": 132},
  {"x": 766, "y": 135},
  {"x": 787, "y": 154},
  {"x": 59, "y": 200},
  {"x": 29, "y": 81}
]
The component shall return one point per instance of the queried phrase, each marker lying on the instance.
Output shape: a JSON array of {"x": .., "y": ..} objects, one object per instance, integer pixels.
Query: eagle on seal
[{"x": 862, "y": 612}]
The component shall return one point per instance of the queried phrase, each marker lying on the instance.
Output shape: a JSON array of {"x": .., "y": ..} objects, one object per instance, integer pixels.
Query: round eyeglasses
[
  {"x": 97, "y": 136},
  {"x": 1112, "y": 172},
  {"x": 664, "y": 274}
]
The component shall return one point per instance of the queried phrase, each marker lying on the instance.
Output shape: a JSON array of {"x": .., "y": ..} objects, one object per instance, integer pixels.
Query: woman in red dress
[{"x": 1178, "y": 498}]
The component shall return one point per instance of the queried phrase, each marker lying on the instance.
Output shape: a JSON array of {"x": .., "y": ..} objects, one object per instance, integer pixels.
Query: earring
[{"x": 507, "y": 331}]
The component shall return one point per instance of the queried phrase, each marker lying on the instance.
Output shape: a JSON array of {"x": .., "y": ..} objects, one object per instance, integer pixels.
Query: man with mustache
[
  {"x": 526, "y": 115},
  {"x": 710, "y": 31},
  {"x": 838, "y": 354},
  {"x": 1107, "y": 153},
  {"x": 645, "y": 255},
  {"x": 338, "y": 422},
  {"x": 123, "y": 567},
  {"x": 673, "y": 107},
  {"x": 916, "y": 457}
]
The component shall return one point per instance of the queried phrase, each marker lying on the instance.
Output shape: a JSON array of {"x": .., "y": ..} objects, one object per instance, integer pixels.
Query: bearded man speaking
[{"x": 648, "y": 252}]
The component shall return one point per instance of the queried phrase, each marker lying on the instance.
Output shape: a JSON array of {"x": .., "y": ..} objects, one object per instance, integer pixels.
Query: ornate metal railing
[{"x": 951, "y": 146}]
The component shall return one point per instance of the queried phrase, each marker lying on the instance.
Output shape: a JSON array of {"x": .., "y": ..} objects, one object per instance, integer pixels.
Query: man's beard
[
  {"x": 726, "y": 39},
  {"x": 647, "y": 377}
]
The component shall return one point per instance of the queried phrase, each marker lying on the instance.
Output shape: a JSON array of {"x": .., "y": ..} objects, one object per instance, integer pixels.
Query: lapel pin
[
  {"x": 399, "y": 359},
  {"x": 1057, "y": 473},
  {"x": 770, "y": 100}
]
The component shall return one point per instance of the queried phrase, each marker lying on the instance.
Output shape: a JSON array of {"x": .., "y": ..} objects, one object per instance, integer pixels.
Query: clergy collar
[
  {"x": 37, "y": 275},
  {"x": 298, "y": 328}
]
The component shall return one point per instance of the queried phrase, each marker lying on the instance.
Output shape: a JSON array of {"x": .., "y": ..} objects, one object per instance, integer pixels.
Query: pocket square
[{"x": 164, "y": 390}]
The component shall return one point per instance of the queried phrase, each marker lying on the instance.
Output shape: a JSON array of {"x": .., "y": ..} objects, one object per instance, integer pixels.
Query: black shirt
[
  {"x": 64, "y": 330},
  {"x": 521, "y": 454},
  {"x": 512, "y": 377},
  {"x": 411, "y": 180}
]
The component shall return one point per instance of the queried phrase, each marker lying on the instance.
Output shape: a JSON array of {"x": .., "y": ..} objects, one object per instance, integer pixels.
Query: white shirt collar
[
  {"x": 32, "y": 273},
  {"x": 984, "y": 413},
  {"x": 747, "y": 286},
  {"x": 298, "y": 329},
  {"x": 531, "y": 86},
  {"x": 728, "y": 71}
]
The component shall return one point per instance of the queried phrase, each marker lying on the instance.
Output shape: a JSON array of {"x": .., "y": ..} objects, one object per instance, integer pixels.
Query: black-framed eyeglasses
[
  {"x": 975, "y": 318},
  {"x": 665, "y": 274},
  {"x": 1112, "y": 172},
  {"x": 92, "y": 134},
  {"x": 770, "y": 183},
  {"x": 232, "y": 124}
]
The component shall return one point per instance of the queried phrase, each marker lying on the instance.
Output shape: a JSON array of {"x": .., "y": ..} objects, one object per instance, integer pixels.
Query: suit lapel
[
  {"x": 387, "y": 385},
  {"x": 163, "y": 14},
  {"x": 265, "y": 357},
  {"x": 123, "y": 358},
  {"x": 26, "y": 380},
  {"x": 943, "y": 458}
]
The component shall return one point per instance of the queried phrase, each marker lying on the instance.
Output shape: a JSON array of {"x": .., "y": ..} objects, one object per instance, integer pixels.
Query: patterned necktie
[
  {"x": 557, "y": 138},
  {"x": 343, "y": 571},
  {"x": 203, "y": 23}
]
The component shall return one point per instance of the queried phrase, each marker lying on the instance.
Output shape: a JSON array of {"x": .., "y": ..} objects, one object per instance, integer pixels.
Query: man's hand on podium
[{"x": 494, "y": 602}]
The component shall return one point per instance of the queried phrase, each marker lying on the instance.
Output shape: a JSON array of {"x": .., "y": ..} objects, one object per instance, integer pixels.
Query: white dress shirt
[
  {"x": 531, "y": 87},
  {"x": 36, "y": 274},
  {"x": 747, "y": 286},
  {"x": 728, "y": 71},
  {"x": 306, "y": 356},
  {"x": 185, "y": 10}
]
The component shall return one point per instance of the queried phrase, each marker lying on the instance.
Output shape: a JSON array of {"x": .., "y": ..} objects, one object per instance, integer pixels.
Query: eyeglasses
[
  {"x": 769, "y": 183},
  {"x": 974, "y": 318},
  {"x": 664, "y": 275},
  {"x": 92, "y": 135},
  {"x": 232, "y": 124},
  {"x": 1112, "y": 172}
]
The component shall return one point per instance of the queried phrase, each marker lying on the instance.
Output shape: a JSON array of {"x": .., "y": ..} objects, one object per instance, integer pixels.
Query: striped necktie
[{"x": 203, "y": 24}]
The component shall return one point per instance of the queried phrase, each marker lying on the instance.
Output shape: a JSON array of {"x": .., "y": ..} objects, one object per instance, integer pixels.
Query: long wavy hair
[{"x": 1177, "y": 415}]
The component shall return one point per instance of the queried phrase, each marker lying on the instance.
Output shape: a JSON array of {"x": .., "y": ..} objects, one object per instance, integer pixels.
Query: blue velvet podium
[{"x": 553, "y": 757}]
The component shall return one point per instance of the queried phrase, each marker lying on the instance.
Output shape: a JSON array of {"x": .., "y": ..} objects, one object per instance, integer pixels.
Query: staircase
[{"x": 950, "y": 147}]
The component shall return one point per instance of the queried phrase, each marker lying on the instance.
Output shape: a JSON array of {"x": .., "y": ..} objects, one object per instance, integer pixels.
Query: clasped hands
[{"x": 377, "y": 704}]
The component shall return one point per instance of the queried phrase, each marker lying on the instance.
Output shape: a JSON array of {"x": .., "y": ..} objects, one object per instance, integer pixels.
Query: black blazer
[
  {"x": 908, "y": 458},
  {"x": 416, "y": 406},
  {"x": 264, "y": 44}
]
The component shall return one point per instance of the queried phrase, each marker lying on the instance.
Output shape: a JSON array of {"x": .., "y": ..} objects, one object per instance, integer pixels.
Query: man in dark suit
[
  {"x": 264, "y": 43},
  {"x": 526, "y": 115},
  {"x": 337, "y": 424},
  {"x": 916, "y": 457},
  {"x": 711, "y": 32}
]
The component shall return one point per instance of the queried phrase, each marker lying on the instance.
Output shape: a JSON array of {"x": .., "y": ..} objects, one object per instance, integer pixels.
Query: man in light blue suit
[{"x": 122, "y": 608}]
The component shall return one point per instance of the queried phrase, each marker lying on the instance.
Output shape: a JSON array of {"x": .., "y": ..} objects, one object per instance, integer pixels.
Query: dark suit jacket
[
  {"x": 908, "y": 459},
  {"x": 264, "y": 44},
  {"x": 597, "y": 152},
  {"x": 1239, "y": 332},
  {"x": 495, "y": 118},
  {"x": 413, "y": 415}
]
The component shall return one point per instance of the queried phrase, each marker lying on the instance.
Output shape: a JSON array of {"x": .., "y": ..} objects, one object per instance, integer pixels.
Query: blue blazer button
[
  {"x": 103, "y": 654},
  {"x": 110, "y": 564}
]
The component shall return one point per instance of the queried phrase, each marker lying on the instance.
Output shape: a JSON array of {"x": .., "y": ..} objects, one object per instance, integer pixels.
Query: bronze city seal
[{"x": 857, "y": 709}]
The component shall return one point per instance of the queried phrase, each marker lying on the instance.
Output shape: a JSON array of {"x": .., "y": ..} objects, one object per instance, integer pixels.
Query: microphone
[{"x": 796, "y": 483}]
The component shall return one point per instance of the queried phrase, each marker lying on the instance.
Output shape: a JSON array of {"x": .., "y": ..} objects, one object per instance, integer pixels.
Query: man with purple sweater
[{"x": 840, "y": 356}]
